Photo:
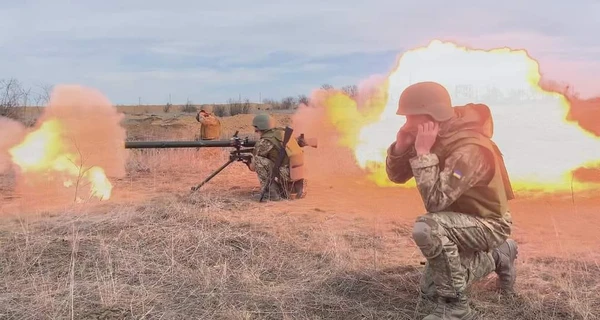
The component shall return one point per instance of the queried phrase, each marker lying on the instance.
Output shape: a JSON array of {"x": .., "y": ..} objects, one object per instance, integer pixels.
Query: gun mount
[{"x": 242, "y": 149}]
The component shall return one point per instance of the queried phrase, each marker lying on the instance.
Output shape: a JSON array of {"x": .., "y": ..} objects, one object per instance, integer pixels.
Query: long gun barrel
[
  {"x": 234, "y": 142},
  {"x": 187, "y": 144}
]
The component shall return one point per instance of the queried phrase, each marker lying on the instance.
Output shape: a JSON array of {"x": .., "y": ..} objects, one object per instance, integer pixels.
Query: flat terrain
[{"x": 345, "y": 252}]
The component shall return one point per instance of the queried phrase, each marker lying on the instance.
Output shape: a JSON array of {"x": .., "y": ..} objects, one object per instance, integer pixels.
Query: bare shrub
[
  {"x": 221, "y": 110},
  {"x": 272, "y": 104},
  {"x": 288, "y": 103},
  {"x": 12, "y": 98},
  {"x": 303, "y": 99},
  {"x": 189, "y": 107},
  {"x": 238, "y": 107},
  {"x": 351, "y": 90}
]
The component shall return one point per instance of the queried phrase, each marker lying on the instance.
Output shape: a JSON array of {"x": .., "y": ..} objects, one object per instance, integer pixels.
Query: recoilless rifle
[{"x": 242, "y": 152}]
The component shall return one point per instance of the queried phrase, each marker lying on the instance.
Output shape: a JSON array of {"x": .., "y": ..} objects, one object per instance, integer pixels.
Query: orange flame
[
  {"x": 47, "y": 149},
  {"x": 541, "y": 147}
]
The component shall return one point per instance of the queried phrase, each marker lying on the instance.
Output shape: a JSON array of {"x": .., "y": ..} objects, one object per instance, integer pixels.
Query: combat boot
[
  {"x": 451, "y": 309},
  {"x": 268, "y": 197},
  {"x": 299, "y": 188},
  {"x": 504, "y": 257},
  {"x": 272, "y": 194}
]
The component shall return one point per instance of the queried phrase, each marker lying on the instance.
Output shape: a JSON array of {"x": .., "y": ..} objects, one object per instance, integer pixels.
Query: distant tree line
[
  {"x": 238, "y": 106},
  {"x": 291, "y": 102},
  {"x": 14, "y": 95}
]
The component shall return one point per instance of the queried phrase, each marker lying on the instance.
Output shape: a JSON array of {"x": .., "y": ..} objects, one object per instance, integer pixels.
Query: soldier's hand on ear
[
  {"x": 426, "y": 137},
  {"x": 404, "y": 140}
]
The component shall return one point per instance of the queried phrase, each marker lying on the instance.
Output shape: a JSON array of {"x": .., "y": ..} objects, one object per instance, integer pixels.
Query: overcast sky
[{"x": 209, "y": 51}]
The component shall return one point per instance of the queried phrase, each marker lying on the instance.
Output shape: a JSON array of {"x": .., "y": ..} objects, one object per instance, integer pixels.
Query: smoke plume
[
  {"x": 91, "y": 126},
  {"x": 76, "y": 144},
  {"x": 11, "y": 133},
  {"x": 328, "y": 117}
]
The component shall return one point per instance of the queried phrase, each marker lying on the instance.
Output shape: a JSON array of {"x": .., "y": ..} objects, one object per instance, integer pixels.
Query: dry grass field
[{"x": 344, "y": 252}]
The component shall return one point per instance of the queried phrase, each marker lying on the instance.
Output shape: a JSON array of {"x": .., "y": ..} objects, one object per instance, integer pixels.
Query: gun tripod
[
  {"x": 236, "y": 155},
  {"x": 212, "y": 175}
]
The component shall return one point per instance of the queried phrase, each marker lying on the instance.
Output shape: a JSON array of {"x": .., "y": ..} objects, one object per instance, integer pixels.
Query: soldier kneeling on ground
[
  {"x": 289, "y": 182},
  {"x": 462, "y": 179}
]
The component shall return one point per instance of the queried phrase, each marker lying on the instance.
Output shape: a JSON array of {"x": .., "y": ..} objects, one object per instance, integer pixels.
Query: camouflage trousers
[
  {"x": 264, "y": 169},
  {"x": 458, "y": 248}
]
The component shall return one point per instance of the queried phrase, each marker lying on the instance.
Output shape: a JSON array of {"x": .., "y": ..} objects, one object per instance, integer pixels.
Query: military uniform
[
  {"x": 465, "y": 189},
  {"x": 265, "y": 155},
  {"x": 210, "y": 127}
]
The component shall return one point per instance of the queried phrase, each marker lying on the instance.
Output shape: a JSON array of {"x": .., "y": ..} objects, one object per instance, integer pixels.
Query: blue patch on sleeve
[{"x": 457, "y": 174}]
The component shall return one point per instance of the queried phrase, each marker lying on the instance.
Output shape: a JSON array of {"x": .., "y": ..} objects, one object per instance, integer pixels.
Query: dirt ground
[{"x": 345, "y": 252}]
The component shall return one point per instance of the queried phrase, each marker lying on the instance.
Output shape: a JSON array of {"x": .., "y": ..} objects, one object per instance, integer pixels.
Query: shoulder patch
[{"x": 457, "y": 174}]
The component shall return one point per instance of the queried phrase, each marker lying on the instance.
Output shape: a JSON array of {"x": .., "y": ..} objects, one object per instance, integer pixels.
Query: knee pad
[{"x": 422, "y": 234}]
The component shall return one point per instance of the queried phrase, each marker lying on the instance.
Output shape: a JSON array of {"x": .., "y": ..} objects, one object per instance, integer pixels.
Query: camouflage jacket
[
  {"x": 439, "y": 188},
  {"x": 264, "y": 148}
]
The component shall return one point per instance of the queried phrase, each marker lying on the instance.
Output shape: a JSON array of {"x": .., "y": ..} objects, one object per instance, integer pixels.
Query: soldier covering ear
[
  {"x": 210, "y": 125},
  {"x": 461, "y": 177}
]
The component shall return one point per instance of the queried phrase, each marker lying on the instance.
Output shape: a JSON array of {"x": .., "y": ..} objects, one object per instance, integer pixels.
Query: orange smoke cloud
[
  {"x": 335, "y": 119},
  {"x": 584, "y": 112},
  {"x": 74, "y": 147},
  {"x": 11, "y": 133}
]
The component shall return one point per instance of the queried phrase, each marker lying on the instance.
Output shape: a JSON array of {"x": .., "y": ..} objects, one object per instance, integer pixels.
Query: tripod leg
[{"x": 198, "y": 186}]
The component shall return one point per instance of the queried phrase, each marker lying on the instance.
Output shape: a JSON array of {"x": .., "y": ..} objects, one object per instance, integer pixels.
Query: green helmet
[
  {"x": 430, "y": 98},
  {"x": 263, "y": 121}
]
